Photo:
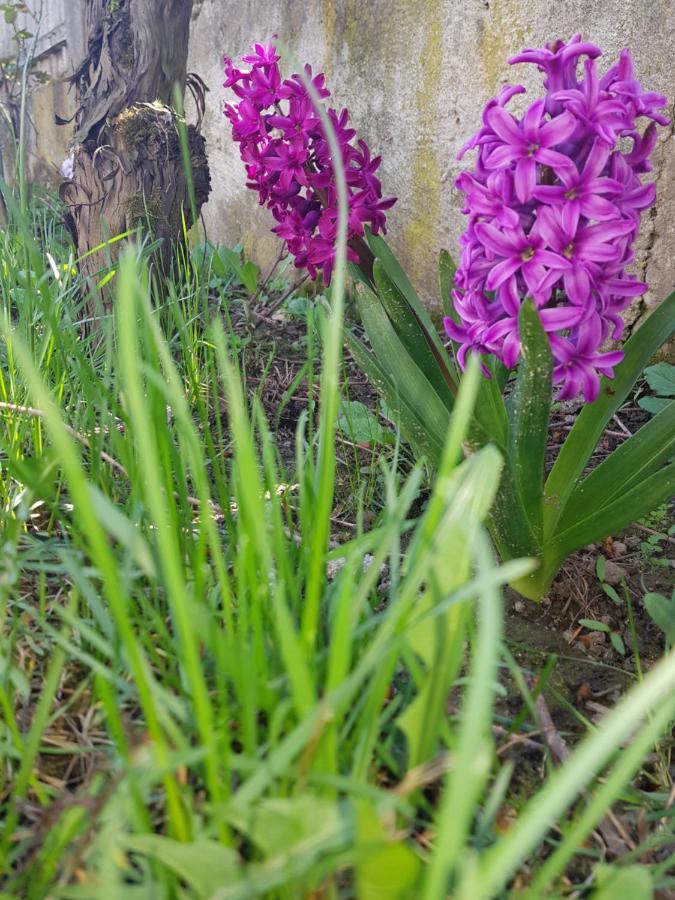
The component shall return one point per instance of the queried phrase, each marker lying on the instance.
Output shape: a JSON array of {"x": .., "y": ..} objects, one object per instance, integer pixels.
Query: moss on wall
[
  {"x": 422, "y": 228},
  {"x": 501, "y": 36}
]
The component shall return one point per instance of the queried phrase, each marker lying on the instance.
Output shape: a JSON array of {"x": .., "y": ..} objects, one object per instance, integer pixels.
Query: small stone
[
  {"x": 614, "y": 573},
  {"x": 335, "y": 566},
  {"x": 519, "y": 606},
  {"x": 619, "y": 548}
]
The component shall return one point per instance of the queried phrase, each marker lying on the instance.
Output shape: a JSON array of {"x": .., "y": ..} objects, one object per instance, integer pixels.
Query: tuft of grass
[{"x": 202, "y": 696}]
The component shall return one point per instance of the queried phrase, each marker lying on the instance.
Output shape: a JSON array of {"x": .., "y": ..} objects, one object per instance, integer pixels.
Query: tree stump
[
  {"x": 135, "y": 176},
  {"x": 127, "y": 164}
]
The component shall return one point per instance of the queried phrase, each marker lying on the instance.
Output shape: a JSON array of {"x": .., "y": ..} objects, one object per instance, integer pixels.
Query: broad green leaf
[
  {"x": 654, "y": 405},
  {"x": 411, "y": 333},
  {"x": 646, "y": 452},
  {"x": 386, "y": 867},
  {"x": 509, "y": 525},
  {"x": 629, "y": 882},
  {"x": 661, "y": 379},
  {"x": 439, "y": 644},
  {"x": 360, "y": 425},
  {"x": 529, "y": 413},
  {"x": 438, "y": 641},
  {"x": 249, "y": 274},
  {"x": 205, "y": 865},
  {"x": 446, "y": 279},
  {"x": 601, "y": 567},
  {"x": 611, "y": 593},
  {"x": 593, "y": 625},
  {"x": 499, "y": 372},
  {"x": 396, "y": 274},
  {"x": 225, "y": 260},
  {"x": 279, "y": 824},
  {"x": 594, "y": 417},
  {"x": 662, "y": 612},
  {"x": 625, "y": 509},
  {"x": 491, "y": 420},
  {"x": 617, "y": 642}
]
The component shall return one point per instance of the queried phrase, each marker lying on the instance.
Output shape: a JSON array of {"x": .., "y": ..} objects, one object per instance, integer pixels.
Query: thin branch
[{"x": 270, "y": 310}]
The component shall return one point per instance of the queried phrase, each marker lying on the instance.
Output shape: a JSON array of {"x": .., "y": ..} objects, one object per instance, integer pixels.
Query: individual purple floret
[
  {"x": 288, "y": 160},
  {"x": 554, "y": 204}
]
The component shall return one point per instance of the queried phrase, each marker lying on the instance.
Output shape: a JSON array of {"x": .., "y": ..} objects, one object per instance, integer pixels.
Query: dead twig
[
  {"x": 261, "y": 318},
  {"x": 610, "y": 828}
]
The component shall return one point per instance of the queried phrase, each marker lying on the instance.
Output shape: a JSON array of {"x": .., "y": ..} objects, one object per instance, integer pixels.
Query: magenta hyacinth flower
[
  {"x": 288, "y": 160},
  {"x": 554, "y": 204}
]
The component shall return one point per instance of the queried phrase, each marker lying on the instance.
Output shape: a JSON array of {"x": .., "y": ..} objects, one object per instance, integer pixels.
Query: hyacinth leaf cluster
[
  {"x": 554, "y": 203},
  {"x": 288, "y": 160},
  {"x": 550, "y": 304}
]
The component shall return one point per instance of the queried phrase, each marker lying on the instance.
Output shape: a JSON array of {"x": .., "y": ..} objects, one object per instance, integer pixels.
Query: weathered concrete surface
[
  {"x": 415, "y": 75},
  {"x": 60, "y": 44}
]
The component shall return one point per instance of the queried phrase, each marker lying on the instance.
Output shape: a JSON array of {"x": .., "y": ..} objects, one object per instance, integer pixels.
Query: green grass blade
[{"x": 500, "y": 862}]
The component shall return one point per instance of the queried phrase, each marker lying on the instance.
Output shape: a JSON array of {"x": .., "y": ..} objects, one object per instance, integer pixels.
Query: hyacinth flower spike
[{"x": 564, "y": 235}]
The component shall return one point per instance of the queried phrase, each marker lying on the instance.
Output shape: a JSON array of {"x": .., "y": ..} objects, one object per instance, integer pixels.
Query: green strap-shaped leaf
[
  {"x": 424, "y": 416},
  {"x": 648, "y": 451},
  {"x": 395, "y": 272},
  {"x": 529, "y": 413},
  {"x": 410, "y": 331},
  {"x": 446, "y": 279},
  {"x": 411, "y": 428},
  {"x": 490, "y": 414},
  {"x": 593, "y": 418},
  {"x": 509, "y": 526},
  {"x": 610, "y": 519}
]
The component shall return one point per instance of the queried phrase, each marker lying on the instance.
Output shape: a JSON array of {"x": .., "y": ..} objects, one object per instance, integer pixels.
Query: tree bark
[{"x": 127, "y": 166}]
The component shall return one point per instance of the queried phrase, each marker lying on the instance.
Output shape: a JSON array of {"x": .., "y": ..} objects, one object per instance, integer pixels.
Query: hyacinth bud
[
  {"x": 554, "y": 204},
  {"x": 288, "y": 160}
]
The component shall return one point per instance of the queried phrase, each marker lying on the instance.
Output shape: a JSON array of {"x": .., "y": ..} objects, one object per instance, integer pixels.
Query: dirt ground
[{"x": 590, "y": 673}]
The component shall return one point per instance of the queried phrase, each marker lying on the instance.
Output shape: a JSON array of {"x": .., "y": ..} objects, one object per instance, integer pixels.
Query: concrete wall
[
  {"x": 414, "y": 75},
  {"x": 60, "y": 43}
]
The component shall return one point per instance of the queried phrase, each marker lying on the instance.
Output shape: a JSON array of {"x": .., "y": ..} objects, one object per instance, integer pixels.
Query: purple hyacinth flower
[
  {"x": 558, "y": 60},
  {"x": 504, "y": 333},
  {"x": 495, "y": 198},
  {"x": 518, "y": 253},
  {"x": 289, "y": 162},
  {"x": 595, "y": 111},
  {"x": 580, "y": 193},
  {"x": 580, "y": 364},
  {"x": 626, "y": 86},
  {"x": 486, "y": 134},
  {"x": 581, "y": 247},
  {"x": 555, "y": 219},
  {"x": 529, "y": 143}
]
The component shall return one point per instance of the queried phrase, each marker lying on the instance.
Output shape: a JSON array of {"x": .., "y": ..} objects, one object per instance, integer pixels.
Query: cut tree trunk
[{"x": 127, "y": 164}]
